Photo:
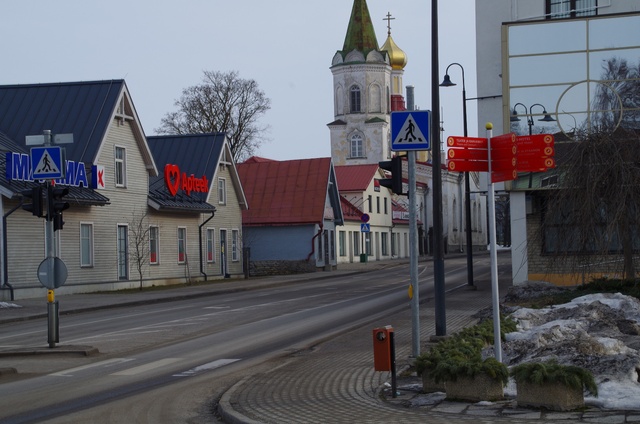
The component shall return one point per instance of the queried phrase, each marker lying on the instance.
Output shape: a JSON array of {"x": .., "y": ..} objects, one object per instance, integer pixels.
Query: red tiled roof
[
  {"x": 349, "y": 211},
  {"x": 355, "y": 177},
  {"x": 285, "y": 192},
  {"x": 255, "y": 159}
]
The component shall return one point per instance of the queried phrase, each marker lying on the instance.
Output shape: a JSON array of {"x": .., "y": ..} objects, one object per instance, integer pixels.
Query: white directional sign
[
  {"x": 46, "y": 162},
  {"x": 410, "y": 130}
]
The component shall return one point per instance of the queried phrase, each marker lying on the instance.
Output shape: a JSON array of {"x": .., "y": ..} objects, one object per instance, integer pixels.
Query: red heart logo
[{"x": 172, "y": 178}]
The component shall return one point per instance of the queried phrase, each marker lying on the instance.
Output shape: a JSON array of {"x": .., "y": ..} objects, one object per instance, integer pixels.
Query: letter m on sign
[{"x": 18, "y": 167}]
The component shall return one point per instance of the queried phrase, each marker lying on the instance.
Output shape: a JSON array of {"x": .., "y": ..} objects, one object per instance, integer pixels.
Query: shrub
[{"x": 551, "y": 372}]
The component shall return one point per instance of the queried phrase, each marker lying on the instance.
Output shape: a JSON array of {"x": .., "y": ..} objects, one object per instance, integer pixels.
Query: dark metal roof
[
  {"x": 82, "y": 108},
  {"x": 197, "y": 154}
]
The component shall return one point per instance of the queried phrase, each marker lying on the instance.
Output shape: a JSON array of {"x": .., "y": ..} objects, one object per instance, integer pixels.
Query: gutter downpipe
[
  {"x": 313, "y": 245},
  {"x": 5, "y": 255},
  {"x": 200, "y": 240}
]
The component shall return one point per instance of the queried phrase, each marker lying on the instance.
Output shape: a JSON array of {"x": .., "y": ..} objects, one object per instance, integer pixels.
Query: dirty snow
[
  {"x": 599, "y": 332},
  {"x": 9, "y": 305}
]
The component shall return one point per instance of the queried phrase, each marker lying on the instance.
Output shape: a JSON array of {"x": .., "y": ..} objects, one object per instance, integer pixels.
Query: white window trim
[
  {"x": 124, "y": 166},
  {"x": 91, "y": 245},
  {"x": 212, "y": 231},
  {"x": 222, "y": 194},
  {"x": 235, "y": 247},
  {"x": 157, "y": 262},
  {"x": 185, "y": 259}
]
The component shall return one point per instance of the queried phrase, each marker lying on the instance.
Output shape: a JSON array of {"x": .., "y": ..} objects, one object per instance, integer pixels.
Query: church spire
[{"x": 360, "y": 33}]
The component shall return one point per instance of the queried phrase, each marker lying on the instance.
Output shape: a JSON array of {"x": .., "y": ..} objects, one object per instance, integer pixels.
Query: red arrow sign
[
  {"x": 500, "y": 176},
  {"x": 504, "y": 153},
  {"x": 537, "y": 140},
  {"x": 536, "y": 151},
  {"x": 503, "y": 165},
  {"x": 473, "y": 154},
  {"x": 535, "y": 164},
  {"x": 473, "y": 142},
  {"x": 467, "y": 165},
  {"x": 503, "y": 140}
]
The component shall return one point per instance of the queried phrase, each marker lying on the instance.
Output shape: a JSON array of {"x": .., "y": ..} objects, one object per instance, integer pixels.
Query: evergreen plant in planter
[
  {"x": 472, "y": 379},
  {"x": 551, "y": 385}
]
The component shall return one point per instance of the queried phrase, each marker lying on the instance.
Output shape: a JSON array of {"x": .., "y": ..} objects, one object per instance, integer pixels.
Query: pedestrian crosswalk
[{"x": 117, "y": 367}]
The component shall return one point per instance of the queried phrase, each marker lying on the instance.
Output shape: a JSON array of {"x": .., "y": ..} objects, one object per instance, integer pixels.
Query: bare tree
[
  {"x": 139, "y": 236},
  {"x": 224, "y": 102},
  {"x": 593, "y": 217}
]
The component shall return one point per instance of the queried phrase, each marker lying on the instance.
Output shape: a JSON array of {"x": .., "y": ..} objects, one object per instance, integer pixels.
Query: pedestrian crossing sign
[
  {"x": 410, "y": 130},
  {"x": 46, "y": 163}
]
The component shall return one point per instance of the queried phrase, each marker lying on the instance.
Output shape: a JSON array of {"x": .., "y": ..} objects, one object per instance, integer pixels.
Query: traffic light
[
  {"x": 35, "y": 206},
  {"x": 395, "y": 167},
  {"x": 57, "y": 205}
]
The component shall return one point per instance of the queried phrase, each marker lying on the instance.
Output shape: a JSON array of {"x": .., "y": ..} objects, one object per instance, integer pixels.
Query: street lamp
[
  {"x": 467, "y": 188},
  {"x": 528, "y": 113}
]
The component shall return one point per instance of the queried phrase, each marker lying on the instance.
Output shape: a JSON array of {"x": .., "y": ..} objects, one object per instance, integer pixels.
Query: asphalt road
[{"x": 167, "y": 362}]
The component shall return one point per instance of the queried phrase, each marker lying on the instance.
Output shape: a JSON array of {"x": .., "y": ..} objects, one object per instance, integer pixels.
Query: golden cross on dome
[{"x": 388, "y": 19}]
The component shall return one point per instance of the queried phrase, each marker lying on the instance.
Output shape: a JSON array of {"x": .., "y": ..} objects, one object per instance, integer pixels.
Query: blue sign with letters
[
  {"x": 46, "y": 162},
  {"x": 410, "y": 130}
]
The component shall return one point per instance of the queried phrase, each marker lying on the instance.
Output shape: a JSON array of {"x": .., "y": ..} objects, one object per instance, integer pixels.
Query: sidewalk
[{"x": 335, "y": 380}]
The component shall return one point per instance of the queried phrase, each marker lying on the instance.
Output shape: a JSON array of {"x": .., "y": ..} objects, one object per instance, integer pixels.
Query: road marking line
[
  {"x": 147, "y": 367},
  {"x": 108, "y": 362},
  {"x": 206, "y": 367}
]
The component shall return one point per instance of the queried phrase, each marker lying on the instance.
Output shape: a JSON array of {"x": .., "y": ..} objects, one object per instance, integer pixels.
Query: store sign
[
  {"x": 175, "y": 180},
  {"x": 19, "y": 169}
]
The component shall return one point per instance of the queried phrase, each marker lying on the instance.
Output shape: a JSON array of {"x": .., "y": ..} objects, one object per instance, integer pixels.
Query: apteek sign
[
  {"x": 19, "y": 169},
  {"x": 175, "y": 180}
]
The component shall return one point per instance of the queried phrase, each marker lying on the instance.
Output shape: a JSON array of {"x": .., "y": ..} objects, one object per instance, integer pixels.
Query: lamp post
[
  {"x": 529, "y": 114},
  {"x": 467, "y": 187}
]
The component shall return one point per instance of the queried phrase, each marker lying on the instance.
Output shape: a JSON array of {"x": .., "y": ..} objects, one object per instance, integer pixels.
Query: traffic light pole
[
  {"x": 52, "y": 320},
  {"x": 413, "y": 255}
]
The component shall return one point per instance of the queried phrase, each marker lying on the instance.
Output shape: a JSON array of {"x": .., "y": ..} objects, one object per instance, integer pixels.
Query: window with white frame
[
  {"x": 570, "y": 8},
  {"x": 182, "y": 245},
  {"x": 86, "y": 244},
  {"x": 357, "y": 146},
  {"x": 120, "y": 166},
  {"x": 384, "y": 244},
  {"x": 222, "y": 191},
  {"x": 154, "y": 245},
  {"x": 342, "y": 243},
  {"x": 211, "y": 250},
  {"x": 235, "y": 255}
]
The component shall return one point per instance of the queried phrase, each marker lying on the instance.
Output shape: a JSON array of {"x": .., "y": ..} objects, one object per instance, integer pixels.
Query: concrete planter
[
  {"x": 476, "y": 389},
  {"x": 552, "y": 396},
  {"x": 429, "y": 385}
]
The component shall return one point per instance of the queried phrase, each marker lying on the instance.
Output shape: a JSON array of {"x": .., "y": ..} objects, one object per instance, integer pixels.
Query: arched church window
[
  {"x": 357, "y": 146},
  {"x": 375, "y": 99},
  {"x": 355, "y": 99}
]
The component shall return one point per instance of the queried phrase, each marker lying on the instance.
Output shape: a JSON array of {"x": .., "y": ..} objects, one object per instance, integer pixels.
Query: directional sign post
[{"x": 410, "y": 130}]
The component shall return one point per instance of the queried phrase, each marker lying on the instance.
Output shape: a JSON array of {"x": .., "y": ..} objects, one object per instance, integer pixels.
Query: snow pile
[
  {"x": 599, "y": 332},
  {"x": 9, "y": 305}
]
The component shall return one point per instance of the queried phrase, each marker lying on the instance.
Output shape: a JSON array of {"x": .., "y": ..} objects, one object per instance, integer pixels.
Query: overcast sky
[{"x": 161, "y": 47}]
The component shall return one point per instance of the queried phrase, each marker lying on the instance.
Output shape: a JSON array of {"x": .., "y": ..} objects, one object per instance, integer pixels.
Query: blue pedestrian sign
[
  {"x": 365, "y": 228},
  {"x": 410, "y": 130},
  {"x": 46, "y": 163}
]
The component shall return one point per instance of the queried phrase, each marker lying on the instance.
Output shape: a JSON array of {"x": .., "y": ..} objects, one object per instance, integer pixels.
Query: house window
[
  {"x": 86, "y": 245},
  {"x": 182, "y": 245},
  {"x": 357, "y": 146},
  {"x": 121, "y": 167},
  {"x": 332, "y": 248},
  {"x": 123, "y": 252},
  {"x": 342, "y": 243},
  {"x": 355, "y": 103},
  {"x": 557, "y": 9},
  {"x": 211, "y": 254},
  {"x": 235, "y": 256},
  {"x": 222, "y": 191},
  {"x": 370, "y": 206},
  {"x": 356, "y": 243},
  {"x": 154, "y": 244},
  {"x": 386, "y": 207},
  {"x": 367, "y": 244},
  {"x": 384, "y": 243},
  {"x": 377, "y": 204}
]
